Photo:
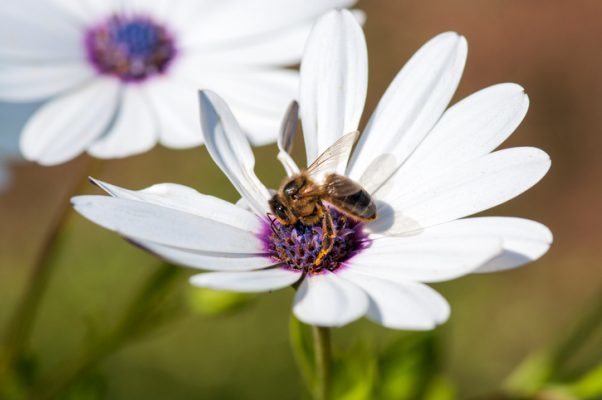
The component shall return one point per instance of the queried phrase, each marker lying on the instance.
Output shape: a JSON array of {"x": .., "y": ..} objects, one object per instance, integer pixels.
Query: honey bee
[{"x": 301, "y": 196}]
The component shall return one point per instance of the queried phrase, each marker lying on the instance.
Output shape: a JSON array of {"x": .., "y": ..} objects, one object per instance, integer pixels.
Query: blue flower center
[
  {"x": 298, "y": 245},
  {"x": 130, "y": 48}
]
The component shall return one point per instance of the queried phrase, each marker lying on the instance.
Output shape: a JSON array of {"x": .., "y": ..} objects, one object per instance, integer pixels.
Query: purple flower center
[
  {"x": 298, "y": 245},
  {"x": 131, "y": 48}
]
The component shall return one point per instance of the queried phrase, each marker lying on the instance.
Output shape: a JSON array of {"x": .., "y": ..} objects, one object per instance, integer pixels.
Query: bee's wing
[
  {"x": 332, "y": 157},
  {"x": 288, "y": 129}
]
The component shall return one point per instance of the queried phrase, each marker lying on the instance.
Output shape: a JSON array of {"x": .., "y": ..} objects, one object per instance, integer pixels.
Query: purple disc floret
[
  {"x": 131, "y": 48},
  {"x": 297, "y": 246}
]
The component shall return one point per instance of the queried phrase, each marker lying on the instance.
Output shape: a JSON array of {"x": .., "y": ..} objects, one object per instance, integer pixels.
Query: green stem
[
  {"x": 142, "y": 317},
  {"x": 580, "y": 334},
  {"x": 21, "y": 323},
  {"x": 321, "y": 338}
]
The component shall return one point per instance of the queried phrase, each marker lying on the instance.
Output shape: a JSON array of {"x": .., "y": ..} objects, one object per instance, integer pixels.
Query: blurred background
[{"x": 550, "y": 47}]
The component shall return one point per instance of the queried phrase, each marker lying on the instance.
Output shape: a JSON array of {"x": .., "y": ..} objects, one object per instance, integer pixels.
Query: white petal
[
  {"x": 413, "y": 103},
  {"x": 411, "y": 305},
  {"x": 244, "y": 204},
  {"x": 284, "y": 48},
  {"x": 258, "y": 97},
  {"x": 133, "y": 132},
  {"x": 207, "y": 260},
  {"x": 105, "y": 8},
  {"x": 38, "y": 31},
  {"x": 185, "y": 19},
  {"x": 290, "y": 166},
  {"x": 186, "y": 199},
  {"x": 327, "y": 300},
  {"x": 286, "y": 136},
  {"x": 523, "y": 240},
  {"x": 88, "y": 12},
  {"x": 260, "y": 127},
  {"x": 164, "y": 10},
  {"x": 252, "y": 281},
  {"x": 471, "y": 128},
  {"x": 174, "y": 105},
  {"x": 420, "y": 201},
  {"x": 63, "y": 128},
  {"x": 23, "y": 83},
  {"x": 253, "y": 20},
  {"x": 231, "y": 151},
  {"x": 334, "y": 76},
  {"x": 425, "y": 259},
  {"x": 150, "y": 222},
  {"x": 268, "y": 91}
]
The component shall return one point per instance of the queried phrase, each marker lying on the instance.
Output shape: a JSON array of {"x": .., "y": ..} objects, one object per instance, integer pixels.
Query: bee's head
[{"x": 281, "y": 211}]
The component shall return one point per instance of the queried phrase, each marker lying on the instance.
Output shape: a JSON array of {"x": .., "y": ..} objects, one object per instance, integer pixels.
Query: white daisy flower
[
  {"x": 426, "y": 168},
  {"x": 123, "y": 74}
]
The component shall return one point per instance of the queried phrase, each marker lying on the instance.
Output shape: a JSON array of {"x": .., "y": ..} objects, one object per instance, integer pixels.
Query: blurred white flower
[
  {"x": 123, "y": 74},
  {"x": 426, "y": 168}
]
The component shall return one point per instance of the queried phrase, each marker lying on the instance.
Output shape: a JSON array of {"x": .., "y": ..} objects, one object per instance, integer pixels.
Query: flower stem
[
  {"x": 582, "y": 332},
  {"x": 20, "y": 325},
  {"x": 321, "y": 339}
]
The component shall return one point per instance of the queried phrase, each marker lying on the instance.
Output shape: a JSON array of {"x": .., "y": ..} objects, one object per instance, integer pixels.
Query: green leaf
[
  {"x": 407, "y": 367},
  {"x": 15, "y": 381},
  {"x": 215, "y": 302},
  {"x": 589, "y": 386},
  {"x": 91, "y": 387},
  {"x": 531, "y": 375},
  {"x": 354, "y": 375},
  {"x": 440, "y": 388}
]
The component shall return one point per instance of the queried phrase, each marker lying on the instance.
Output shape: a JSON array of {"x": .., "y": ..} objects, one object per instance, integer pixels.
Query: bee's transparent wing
[
  {"x": 288, "y": 129},
  {"x": 334, "y": 159}
]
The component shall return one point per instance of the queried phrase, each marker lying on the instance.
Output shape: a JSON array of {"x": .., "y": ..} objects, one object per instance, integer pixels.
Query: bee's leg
[
  {"x": 273, "y": 225},
  {"x": 329, "y": 233}
]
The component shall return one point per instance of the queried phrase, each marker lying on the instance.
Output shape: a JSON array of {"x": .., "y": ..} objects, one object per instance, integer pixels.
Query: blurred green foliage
[
  {"x": 589, "y": 386},
  {"x": 214, "y": 302},
  {"x": 552, "y": 371},
  {"x": 355, "y": 372},
  {"x": 408, "y": 368}
]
